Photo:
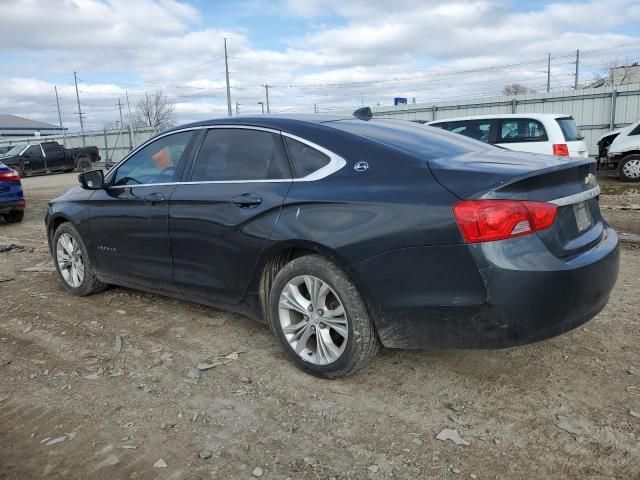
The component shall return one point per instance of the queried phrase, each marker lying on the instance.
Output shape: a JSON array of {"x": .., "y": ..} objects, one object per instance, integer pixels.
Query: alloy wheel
[
  {"x": 313, "y": 320},
  {"x": 70, "y": 260},
  {"x": 632, "y": 169}
]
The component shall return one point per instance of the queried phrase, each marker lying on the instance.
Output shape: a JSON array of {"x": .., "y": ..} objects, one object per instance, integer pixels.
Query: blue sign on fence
[{"x": 399, "y": 101}]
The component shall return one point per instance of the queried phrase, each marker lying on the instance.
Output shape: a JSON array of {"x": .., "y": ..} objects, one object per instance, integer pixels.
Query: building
[
  {"x": 625, "y": 75},
  {"x": 13, "y": 126}
]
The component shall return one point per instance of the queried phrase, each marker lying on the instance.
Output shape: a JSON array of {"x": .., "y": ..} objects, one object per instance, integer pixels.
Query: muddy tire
[
  {"x": 15, "y": 216},
  {"x": 73, "y": 264},
  {"x": 83, "y": 164},
  {"x": 319, "y": 318},
  {"x": 629, "y": 168}
]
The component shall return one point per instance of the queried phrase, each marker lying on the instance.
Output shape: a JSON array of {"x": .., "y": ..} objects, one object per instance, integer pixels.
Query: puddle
[{"x": 620, "y": 190}]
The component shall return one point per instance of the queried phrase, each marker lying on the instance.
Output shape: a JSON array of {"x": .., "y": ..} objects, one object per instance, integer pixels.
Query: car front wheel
[
  {"x": 629, "y": 168},
  {"x": 73, "y": 265},
  {"x": 320, "y": 319}
]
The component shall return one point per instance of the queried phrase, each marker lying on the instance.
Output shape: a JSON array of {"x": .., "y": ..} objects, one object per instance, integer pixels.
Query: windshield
[
  {"x": 569, "y": 129},
  {"x": 14, "y": 150}
]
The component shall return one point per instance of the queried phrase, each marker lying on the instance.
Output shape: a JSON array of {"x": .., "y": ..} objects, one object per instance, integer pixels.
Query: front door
[
  {"x": 33, "y": 159},
  {"x": 129, "y": 219},
  {"x": 222, "y": 215}
]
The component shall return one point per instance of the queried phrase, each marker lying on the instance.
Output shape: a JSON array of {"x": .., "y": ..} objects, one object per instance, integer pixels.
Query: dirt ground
[{"x": 71, "y": 407}]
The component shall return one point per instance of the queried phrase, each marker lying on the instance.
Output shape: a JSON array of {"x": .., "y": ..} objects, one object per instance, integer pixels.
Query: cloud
[{"x": 350, "y": 52}]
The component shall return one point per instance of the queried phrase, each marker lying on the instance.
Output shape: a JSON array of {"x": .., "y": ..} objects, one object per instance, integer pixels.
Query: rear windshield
[
  {"x": 420, "y": 140},
  {"x": 569, "y": 129}
]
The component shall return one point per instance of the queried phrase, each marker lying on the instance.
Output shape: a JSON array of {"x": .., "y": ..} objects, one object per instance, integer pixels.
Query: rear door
[
  {"x": 225, "y": 209},
  {"x": 56, "y": 159},
  {"x": 523, "y": 135}
]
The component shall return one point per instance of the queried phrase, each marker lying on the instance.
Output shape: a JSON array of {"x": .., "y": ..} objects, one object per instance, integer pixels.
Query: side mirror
[{"x": 92, "y": 180}]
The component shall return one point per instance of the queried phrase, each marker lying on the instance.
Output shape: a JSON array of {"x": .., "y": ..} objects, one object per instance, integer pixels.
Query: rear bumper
[
  {"x": 497, "y": 295},
  {"x": 11, "y": 205}
]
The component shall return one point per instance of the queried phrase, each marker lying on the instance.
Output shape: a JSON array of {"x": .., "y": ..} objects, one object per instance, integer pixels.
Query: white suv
[{"x": 546, "y": 133}]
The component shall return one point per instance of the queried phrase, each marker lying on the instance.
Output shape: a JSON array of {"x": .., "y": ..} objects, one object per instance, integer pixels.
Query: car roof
[
  {"x": 275, "y": 121},
  {"x": 535, "y": 116}
]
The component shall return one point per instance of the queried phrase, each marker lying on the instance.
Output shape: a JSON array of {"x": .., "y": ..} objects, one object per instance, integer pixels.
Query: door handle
[
  {"x": 153, "y": 198},
  {"x": 246, "y": 200}
]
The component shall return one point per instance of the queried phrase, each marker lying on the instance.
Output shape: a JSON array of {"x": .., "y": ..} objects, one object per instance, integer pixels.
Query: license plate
[{"x": 583, "y": 216}]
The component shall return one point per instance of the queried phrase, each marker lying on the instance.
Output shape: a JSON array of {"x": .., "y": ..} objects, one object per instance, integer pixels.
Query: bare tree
[
  {"x": 155, "y": 110},
  {"x": 515, "y": 89}
]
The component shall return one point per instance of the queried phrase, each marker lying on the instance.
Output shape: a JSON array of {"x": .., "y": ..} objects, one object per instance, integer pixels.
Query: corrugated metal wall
[
  {"x": 595, "y": 110},
  {"x": 113, "y": 144}
]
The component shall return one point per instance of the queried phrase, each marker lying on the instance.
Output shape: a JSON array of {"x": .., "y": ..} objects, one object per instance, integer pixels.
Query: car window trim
[{"x": 336, "y": 162}]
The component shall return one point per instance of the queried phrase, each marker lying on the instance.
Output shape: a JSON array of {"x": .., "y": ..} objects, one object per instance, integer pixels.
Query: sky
[{"x": 329, "y": 55}]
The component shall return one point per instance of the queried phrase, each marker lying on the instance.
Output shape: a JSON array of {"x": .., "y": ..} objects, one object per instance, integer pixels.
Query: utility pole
[
  {"x": 266, "y": 88},
  {"x": 361, "y": 99},
  {"x": 315, "y": 108},
  {"x": 75, "y": 78},
  {"x": 120, "y": 108},
  {"x": 226, "y": 69},
  {"x": 130, "y": 128},
  {"x": 262, "y": 105},
  {"x": 237, "y": 109},
  {"x": 548, "y": 72},
  {"x": 64, "y": 137},
  {"x": 577, "y": 68}
]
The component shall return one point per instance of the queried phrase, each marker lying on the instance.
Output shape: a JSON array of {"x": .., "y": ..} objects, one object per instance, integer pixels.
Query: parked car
[
  {"x": 4, "y": 149},
  {"x": 48, "y": 157},
  {"x": 620, "y": 150},
  {"x": 546, "y": 133},
  {"x": 344, "y": 234},
  {"x": 11, "y": 197}
]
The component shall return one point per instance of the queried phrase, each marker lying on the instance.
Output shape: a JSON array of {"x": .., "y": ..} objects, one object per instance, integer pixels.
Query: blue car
[{"x": 11, "y": 196}]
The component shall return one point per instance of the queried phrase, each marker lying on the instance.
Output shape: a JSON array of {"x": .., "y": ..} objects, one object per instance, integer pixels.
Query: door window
[
  {"x": 476, "y": 129},
  {"x": 34, "y": 151},
  {"x": 521, "y": 130},
  {"x": 305, "y": 159},
  {"x": 234, "y": 154},
  {"x": 156, "y": 162}
]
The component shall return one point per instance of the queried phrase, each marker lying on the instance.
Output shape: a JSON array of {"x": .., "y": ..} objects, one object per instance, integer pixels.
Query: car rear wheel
[
  {"x": 629, "y": 168},
  {"x": 14, "y": 217},
  {"x": 73, "y": 264},
  {"x": 83, "y": 164},
  {"x": 319, "y": 317}
]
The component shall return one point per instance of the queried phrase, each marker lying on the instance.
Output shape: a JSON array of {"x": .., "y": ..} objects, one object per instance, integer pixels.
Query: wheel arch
[
  {"x": 277, "y": 256},
  {"x": 53, "y": 224}
]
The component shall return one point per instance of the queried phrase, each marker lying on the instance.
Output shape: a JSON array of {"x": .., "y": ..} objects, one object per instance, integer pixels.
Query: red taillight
[
  {"x": 10, "y": 176},
  {"x": 561, "y": 149},
  {"x": 489, "y": 220}
]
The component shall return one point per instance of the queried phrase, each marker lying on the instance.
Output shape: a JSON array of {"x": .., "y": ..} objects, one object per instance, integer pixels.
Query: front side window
[
  {"x": 521, "y": 130},
  {"x": 476, "y": 129},
  {"x": 235, "y": 154},
  {"x": 33, "y": 151},
  {"x": 156, "y": 162},
  {"x": 305, "y": 159},
  {"x": 635, "y": 131}
]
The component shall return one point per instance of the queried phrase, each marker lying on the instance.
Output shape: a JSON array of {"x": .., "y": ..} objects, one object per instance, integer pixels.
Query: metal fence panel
[{"x": 594, "y": 109}]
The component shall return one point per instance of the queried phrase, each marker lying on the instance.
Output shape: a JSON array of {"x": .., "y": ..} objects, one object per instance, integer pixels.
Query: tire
[
  {"x": 20, "y": 170},
  {"x": 629, "y": 168},
  {"x": 337, "y": 356},
  {"x": 81, "y": 283},
  {"x": 15, "y": 216},
  {"x": 83, "y": 164}
]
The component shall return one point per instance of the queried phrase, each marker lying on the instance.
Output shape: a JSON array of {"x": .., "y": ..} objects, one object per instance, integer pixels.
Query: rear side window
[
  {"x": 51, "y": 148},
  {"x": 476, "y": 129},
  {"x": 569, "y": 129},
  {"x": 237, "y": 154},
  {"x": 305, "y": 159},
  {"x": 521, "y": 130}
]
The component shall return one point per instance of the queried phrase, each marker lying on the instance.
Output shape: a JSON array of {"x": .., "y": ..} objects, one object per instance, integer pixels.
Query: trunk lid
[{"x": 519, "y": 176}]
